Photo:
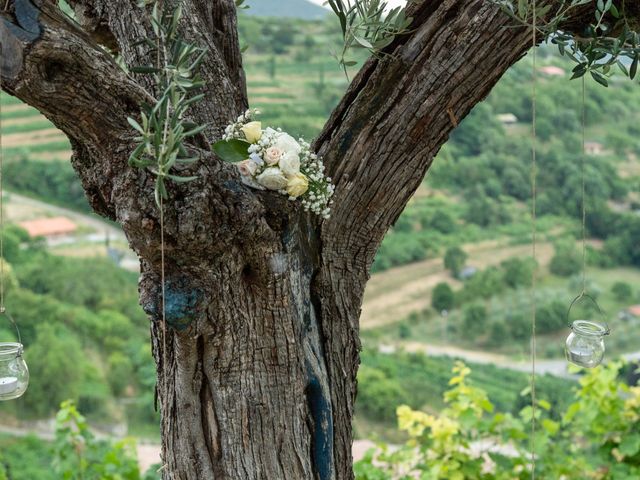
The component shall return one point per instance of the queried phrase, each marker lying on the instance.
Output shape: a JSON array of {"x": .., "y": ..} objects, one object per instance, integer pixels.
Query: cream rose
[
  {"x": 290, "y": 164},
  {"x": 273, "y": 155},
  {"x": 247, "y": 167},
  {"x": 287, "y": 143},
  {"x": 252, "y": 131},
  {"x": 297, "y": 185},
  {"x": 272, "y": 178}
]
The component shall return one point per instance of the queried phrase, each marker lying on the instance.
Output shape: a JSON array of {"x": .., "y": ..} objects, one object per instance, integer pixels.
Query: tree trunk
[{"x": 256, "y": 375}]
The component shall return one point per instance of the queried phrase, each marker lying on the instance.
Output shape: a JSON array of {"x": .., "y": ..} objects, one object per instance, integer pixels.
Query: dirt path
[
  {"x": 555, "y": 367},
  {"x": 394, "y": 294}
]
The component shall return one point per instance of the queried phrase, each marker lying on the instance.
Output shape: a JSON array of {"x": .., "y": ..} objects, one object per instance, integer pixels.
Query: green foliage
[
  {"x": 566, "y": 261},
  {"x": 610, "y": 41},
  {"x": 454, "y": 260},
  {"x": 25, "y": 458},
  {"x": 55, "y": 363},
  {"x": 404, "y": 375},
  {"x": 54, "y": 182},
  {"x": 377, "y": 393},
  {"x": 475, "y": 320},
  {"x": 120, "y": 371},
  {"x": 442, "y": 298},
  {"x": 79, "y": 456},
  {"x": 518, "y": 272},
  {"x": 598, "y": 433},
  {"x": 163, "y": 127},
  {"x": 367, "y": 24},
  {"x": 622, "y": 291}
]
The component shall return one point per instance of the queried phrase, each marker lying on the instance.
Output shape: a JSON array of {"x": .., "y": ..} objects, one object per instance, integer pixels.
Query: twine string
[{"x": 534, "y": 239}]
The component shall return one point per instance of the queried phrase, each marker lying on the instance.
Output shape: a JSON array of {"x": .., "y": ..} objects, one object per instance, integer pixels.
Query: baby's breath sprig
[{"x": 163, "y": 127}]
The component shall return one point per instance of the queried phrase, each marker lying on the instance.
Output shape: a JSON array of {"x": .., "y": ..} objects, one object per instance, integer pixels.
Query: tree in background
[
  {"x": 454, "y": 260},
  {"x": 474, "y": 322},
  {"x": 262, "y": 344},
  {"x": 566, "y": 261},
  {"x": 56, "y": 364},
  {"x": 443, "y": 297},
  {"x": 622, "y": 291}
]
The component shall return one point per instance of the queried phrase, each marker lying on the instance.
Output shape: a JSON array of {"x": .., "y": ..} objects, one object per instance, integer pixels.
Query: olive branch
[
  {"x": 369, "y": 25},
  {"x": 163, "y": 127},
  {"x": 610, "y": 41}
]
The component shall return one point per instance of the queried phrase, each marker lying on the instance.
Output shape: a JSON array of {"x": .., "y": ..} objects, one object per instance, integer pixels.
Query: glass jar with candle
[
  {"x": 14, "y": 374},
  {"x": 585, "y": 344}
]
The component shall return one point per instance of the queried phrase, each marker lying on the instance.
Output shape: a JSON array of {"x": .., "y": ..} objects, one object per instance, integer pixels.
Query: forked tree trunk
[{"x": 262, "y": 300}]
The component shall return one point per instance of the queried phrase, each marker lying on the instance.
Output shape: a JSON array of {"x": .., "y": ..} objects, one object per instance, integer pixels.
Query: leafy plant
[
  {"x": 613, "y": 40},
  {"x": 163, "y": 126},
  {"x": 366, "y": 24},
  {"x": 79, "y": 456},
  {"x": 597, "y": 437}
]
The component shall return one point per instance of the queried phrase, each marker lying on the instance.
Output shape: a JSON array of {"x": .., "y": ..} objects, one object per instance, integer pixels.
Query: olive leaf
[{"x": 162, "y": 127}]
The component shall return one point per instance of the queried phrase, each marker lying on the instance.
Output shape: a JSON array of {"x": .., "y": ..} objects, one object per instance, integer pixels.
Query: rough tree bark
[{"x": 262, "y": 300}]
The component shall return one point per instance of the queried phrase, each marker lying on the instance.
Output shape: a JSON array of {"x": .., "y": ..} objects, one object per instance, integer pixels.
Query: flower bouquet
[{"x": 273, "y": 160}]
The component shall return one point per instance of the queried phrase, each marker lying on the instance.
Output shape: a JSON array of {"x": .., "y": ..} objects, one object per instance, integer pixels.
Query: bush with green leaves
[
  {"x": 454, "y": 260},
  {"x": 78, "y": 455},
  {"x": 597, "y": 437},
  {"x": 443, "y": 297},
  {"x": 566, "y": 261},
  {"x": 622, "y": 291}
]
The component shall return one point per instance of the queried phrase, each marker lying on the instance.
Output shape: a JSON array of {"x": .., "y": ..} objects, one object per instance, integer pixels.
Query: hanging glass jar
[
  {"x": 14, "y": 374},
  {"x": 585, "y": 344}
]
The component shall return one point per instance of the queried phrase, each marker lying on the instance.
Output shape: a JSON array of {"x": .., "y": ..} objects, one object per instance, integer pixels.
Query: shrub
[
  {"x": 622, "y": 291},
  {"x": 454, "y": 260},
  {"x": 566, "y": 261},
  {"x": 442, "y": 298}
]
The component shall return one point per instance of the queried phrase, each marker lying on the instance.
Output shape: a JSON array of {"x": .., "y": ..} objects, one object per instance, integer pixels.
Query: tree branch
[
  {"x": 210, "y": 25},
  {"x": 51, "y": 64}
]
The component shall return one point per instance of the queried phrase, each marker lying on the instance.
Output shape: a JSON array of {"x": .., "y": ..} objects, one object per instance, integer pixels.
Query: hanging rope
[
  {"x": 583, "y": 167},
  {"x": 534, "y": 239},
  {"x": 2, "y": 307}
]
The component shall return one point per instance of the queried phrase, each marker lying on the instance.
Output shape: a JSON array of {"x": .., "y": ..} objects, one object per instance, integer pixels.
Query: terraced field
[{"x": 28, "y": 134}]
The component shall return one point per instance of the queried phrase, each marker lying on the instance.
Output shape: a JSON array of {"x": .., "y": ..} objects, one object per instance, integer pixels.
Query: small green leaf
[
  {"x": 634, "y": 68},
  {"x": 601, "y": 79},
  {"x": 363, "y": 42},
  {"x": 135, "y": 125},
  {"x": 232, "y": 151},
  {"x": 630, "y": 445},
  {"x": 178, "y": 179}
]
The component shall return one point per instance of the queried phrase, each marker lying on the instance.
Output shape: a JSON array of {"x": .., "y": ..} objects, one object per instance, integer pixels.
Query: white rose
[
  {"x": 272, "y": 178},
  {"x": 247, "y": 167},
  {"x": 290, "y": 164},
  {"x": 287, "y": 143},
  {"x": 252, "y": 131},
  {"x": 273, "y": 155},
  {"x": 297, "y": 185}
]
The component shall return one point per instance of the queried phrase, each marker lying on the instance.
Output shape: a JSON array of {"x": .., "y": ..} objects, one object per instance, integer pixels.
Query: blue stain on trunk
[
  {"x": 322, "y": 446},
  {"x": 180, "y": 305}
]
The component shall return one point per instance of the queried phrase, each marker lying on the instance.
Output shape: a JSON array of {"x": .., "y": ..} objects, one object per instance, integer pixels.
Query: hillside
[{"x": 285, "y": 8}]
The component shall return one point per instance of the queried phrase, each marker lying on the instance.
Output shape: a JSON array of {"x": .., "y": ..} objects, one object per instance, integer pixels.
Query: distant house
[
  {"x": 552, "y": 71},
  {"x": 634, "y": 311},
  {"x": 594, "y": 148},
  {"x": 49, "y": 227},
  {"x": 507, "y": 118},
  {"x": 630, "y": 313}
]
